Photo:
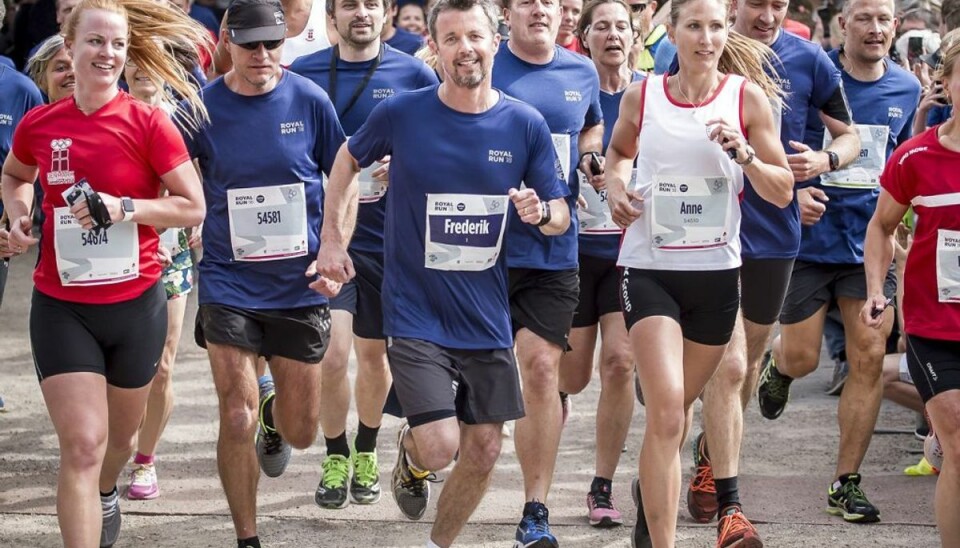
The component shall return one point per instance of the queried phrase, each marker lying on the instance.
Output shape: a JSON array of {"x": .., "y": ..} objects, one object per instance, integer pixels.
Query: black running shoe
[
  {"x": 851, "y": 503},
  {"x": 641, "y": 533},
  {"x": 774, "y": 390}
]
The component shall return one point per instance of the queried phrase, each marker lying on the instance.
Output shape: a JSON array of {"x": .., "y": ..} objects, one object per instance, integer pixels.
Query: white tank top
[
  {"x": 691, "y": 189},
  {"x": 313, "y": 38}
]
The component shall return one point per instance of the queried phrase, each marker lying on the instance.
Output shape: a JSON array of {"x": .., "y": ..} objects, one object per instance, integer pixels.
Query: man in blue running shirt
[{"x": 446, "y": 308}]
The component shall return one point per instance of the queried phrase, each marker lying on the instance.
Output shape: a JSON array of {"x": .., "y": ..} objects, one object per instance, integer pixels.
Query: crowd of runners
[{"x": 483, "y": 203}]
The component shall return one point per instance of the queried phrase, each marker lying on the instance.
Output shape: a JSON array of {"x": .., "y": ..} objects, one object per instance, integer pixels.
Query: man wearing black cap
[{"x": 261, "y": 231}]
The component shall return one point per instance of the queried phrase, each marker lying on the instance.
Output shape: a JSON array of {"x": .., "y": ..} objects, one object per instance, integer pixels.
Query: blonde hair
[
  {"x": 741, "y": 55},
  {"x": 429, "y": 58},
  {"x": 163, "y": 41},
  {"x": 40, "y": 60}
]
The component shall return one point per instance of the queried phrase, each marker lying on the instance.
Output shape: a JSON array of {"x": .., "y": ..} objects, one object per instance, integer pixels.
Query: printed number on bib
[
  {"x": 596, "y": 218},
  {"x": 85, "y": 257},
  {"x": 948, "y": 266},
  {"x": 464, "y": 232},
  {"x": 689, "y": 213},
  {"x": 268, "y": 223},
  {"x": 865, "y": 171}
]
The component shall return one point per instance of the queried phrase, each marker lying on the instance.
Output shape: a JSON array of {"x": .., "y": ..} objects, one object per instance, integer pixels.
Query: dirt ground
[{"x": 785, "y": 470}]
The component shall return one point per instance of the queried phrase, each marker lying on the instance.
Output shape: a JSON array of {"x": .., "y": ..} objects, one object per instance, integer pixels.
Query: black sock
[
  {"x": 533, "y": 506},
  {"x": 598, "y": 483},
  {"x": 338, "y": 445},
  {"x": 110, "y": 494},
  {"x": 847, "y": 477},
  {"x": 268, "y": 414},
  {"x": 366, "y": 441},
  {"x": 728, "y": 495},
  {"x": 252, "y": 542}
]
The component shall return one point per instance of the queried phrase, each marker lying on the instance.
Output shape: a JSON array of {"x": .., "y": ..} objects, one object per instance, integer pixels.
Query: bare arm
[
  {"x": 621, "y": 151},
  {"x": 591, "y": 140},
  {"x": 878, "y": 252},
  {"x": 333, "y": 263}
]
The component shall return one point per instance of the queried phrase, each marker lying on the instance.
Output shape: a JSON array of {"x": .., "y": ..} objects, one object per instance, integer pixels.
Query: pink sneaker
[
  {"x": 602, "y": 512},
  {"x": 143, "y": 483}
]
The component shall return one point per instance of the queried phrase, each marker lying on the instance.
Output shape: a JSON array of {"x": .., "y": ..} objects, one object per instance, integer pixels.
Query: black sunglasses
[
  {"x": 637, "y": 8},
  {"x": 267, "y": 44}
]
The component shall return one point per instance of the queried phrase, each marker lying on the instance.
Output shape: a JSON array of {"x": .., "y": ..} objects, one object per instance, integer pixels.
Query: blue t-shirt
[
  {"x": 891, "y": 102},
  {"x": 18, "y": 94},
  {"x": 206, "y": 17},
  {"x": 405, "y": 41},
  {"x": 938, "y": 115},
  {"x": 286, "y": 136},
  {"x": 8, "y": 62},
  {"x": 436, "y": 150},
  {"x": 397, "y": 72},
  {"x": 666, "y": 52},
  {"x": 809, "y": 79},
  {"x": 566, "y": 91},
  {"x": 607, "y": 246}
]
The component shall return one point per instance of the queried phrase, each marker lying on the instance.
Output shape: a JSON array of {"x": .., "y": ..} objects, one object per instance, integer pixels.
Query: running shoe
[
  {"x": 565, "y": 407},
  {"x": 922, "y": 468},
  {"x": 410, "y": 491},
  {"x": 850, "y": 502},
  {"x": 110, "y": 531},
  {"x": 143, "y": 483},
  {"x": 332, "y": 490},
  {"x": 272, "y": 452},
  {"x": 840, "y": 371},
  {"x": 534, "y": 529},
  {"x": 702, "y": 492},
  {"x": 641, "y": 533},
  {"x": 774, "y": 389},
  {"x": 600, "y": 508},
  {"x": 734, "y": 529},
  {"x": 637, "y": 389},
  {"x": 365, "y": 485}
]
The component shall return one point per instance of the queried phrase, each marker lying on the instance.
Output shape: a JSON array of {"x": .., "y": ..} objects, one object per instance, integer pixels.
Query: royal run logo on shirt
[
  {"x": 288, "y": 128},
  {"x": 6, "y": 119},
  {"x": 383, "y": 93},
  {"x": 60, "y": 172},
  {"x": 500, "y": 156},
  {"x": 894, "y": 112},
  {"x": 573, "y": 96}
]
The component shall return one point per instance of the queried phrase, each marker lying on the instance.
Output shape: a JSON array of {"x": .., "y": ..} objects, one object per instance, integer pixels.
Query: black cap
[{"x": 255, "y": 21}]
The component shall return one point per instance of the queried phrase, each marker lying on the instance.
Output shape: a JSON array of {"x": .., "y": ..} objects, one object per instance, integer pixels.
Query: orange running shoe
[
  {"x": 702, "y": 492},
  {"x": 734, "y": 529}
]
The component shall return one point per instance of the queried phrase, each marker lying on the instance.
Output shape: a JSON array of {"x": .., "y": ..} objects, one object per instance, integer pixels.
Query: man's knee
[
  {"x": 800, "y": 356},
  {"x": 617, "y": 368},
  {"x": 437, "y": 445},
  {"x": 481, "y": 454},
  {"x": 732, "y": 372},
  {"x": 540, "y": 373},
  {"x": 301, "y": 433},
  {"x": 238, "y": 421}
]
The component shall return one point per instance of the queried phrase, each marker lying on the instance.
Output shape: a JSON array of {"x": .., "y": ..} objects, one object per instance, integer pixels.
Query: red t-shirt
[
  {"x": 574, "y": 46},
  {"x": 122, "y": 149},
  {"x": 922, "y": 172}
]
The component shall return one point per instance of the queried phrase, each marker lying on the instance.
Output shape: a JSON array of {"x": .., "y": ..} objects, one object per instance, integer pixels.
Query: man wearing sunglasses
[
  {"x": 271, "y": 137},
  {"x": 645, "y": 49}
]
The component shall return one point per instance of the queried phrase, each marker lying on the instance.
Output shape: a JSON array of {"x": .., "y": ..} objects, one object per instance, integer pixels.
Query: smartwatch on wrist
[
  {"x": 544, "y": 213},
  {"x": 834, "y": 160},
  {"x": 126, "y": 205}
]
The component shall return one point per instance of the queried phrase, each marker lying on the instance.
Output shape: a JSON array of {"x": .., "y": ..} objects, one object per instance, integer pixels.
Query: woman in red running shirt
[
  {"x": 924, "y": 172},
  {"x": 98, "y": 314}
]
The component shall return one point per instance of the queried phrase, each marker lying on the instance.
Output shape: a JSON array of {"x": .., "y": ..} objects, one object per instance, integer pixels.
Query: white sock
[{"x": 431, "y": 544}]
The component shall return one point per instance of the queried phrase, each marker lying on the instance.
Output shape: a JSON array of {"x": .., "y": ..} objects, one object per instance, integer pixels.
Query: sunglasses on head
[
  {"x": 637, "y": 8},
  {"x": 267, "y": 44}
]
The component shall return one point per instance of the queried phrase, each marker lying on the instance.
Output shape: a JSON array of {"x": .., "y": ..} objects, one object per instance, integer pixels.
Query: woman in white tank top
[{"x": 698, "y": 133}]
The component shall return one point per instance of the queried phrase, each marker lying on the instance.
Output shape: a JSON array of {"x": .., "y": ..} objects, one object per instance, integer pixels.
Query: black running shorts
[
  {"x": 361, "y": 296},
  {"x": 934, "y": 365},
  {"x": 299, "y": 334},
  {"x": 433, "y": 383},
  {"x": 544, "y": 302},
  {"x": 704, "y": 303},
  {"x": 763, "y": 286},
  {"x": 599, "y": 290},
  {"x": 814, "y": 285},
  {"x": 121, "y": 341}
]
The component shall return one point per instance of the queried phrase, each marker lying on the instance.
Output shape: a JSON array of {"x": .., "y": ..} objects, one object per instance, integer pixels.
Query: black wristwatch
[
  {"x": 834, "y": 160},
  {"x": 544, "y": 213}
]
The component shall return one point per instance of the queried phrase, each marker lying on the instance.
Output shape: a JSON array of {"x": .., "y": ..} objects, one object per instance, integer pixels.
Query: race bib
[
  {"x": 689, "y": 213},
  {"x": 561, "y": 143},
  {"x": 464, "y": 232},
  {"x": 865, "y": 172},
  {"x": 170, "y": 239},
  {"x": 596, "y": 217},
  {"x": 948, "y": 266},
  {"x": 268, "y": 223},
  {"x": 85, "y": 257}
]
